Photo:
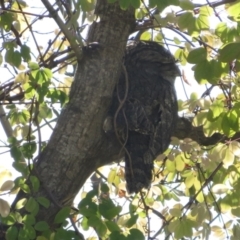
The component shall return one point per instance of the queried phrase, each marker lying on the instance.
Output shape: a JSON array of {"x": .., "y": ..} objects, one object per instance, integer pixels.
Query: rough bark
[{"x": 78, "y": 144}]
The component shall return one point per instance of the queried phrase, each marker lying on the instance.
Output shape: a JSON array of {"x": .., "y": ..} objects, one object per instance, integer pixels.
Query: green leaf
[
  {"x": 186, "y": 21},
  {"x": 209, "y": 128},
  {"x": 21, "y": 203},
  {"x": 33, "y": 66},
  {"x": 170, "y": 165},
  {"x": 45, "y": 111},
  {"x": 186, "y": 4},
  {"x": 180, "y": 164},
  {"x": 109, "y": 212},
  {"x": 202, "y": 22},
  {"x": 9, "y": 220},
  {"x": 94, "y": 221},
  {"x": 111, "y": 176},
  {"x": 87, "y": 5},
  {"x": 104, "y": 188},
  {"x": 65, "y": 234},
  {"x": 12, "y": 233},
  {"x": 25, "y": 53},
  {"x": 202, "y": 71},
  {"x": 32, "y": 206},
  {"x": 218, "y": 70},
  {"x": 222, "y": 31},
  {"x": 62, "y": 215},
  {"x": 28, "y": 149},
  {"x": 215, "y": 110},
  {"x": 18, "y": 217},
  {"x": 43, "y": 201},
  {"x": 16, "y": 153},
  {"x": 48, "y": 73},
  {"x": 124, "y": 4},
  {"x": 175, "y": 212},
  {"x": 9, "y": 56},
  {"x": 41, "y": 226},
  {"x": 112, "y": 226},
  {"x": 236, "y": 211},
  {"x": 19, "y": 181},
  {"x": 98, "y": 224},
  {"x": 29, "y": 219},
  {"x": 174, "y": 226},
  {"x": 1, "y": 59},
  {"x": 88, "y": 211},
  {"x": 87, "y": 207},
  {"x": 206, "y": 11},
  {"x": 160, "y": 4},
  {"x": 23, "y": 169},
  {"x": 163, "y": 4},
  {"x": 188, "y": 228},
  {"x": 17, "y": 59},
  {"x": 84, "y": 223},
  {"x": 197, "y": 55},
  {"x": 24, "y": 116},
  {"x": 39, "y": 77},
  {"x": 29, "y": 91},
  {"x": 176, "y": 40},
  {"x": 117, "y": 236},
  {"x": 35, "y": 183},
  {"x": 181, "y": 228},
  {"x": 132, "y": 208},
  {"x": 229, "y": 52},
  {"x": 234, "y": 10},
  {"x": 189, "y": 181},
  {"x": 135, "y": 234},
  {"x": 228, "y": 157},
  {"x": 181, "y": 55},
  {"x": 234, "y": 147},
  {"x": 146, "y": 36},
  {"x": 229, "y": 122},
  {"x": 136, "y": 3},
  {"x": 41, "y": 238},
  {"x": 6, "y": 20},
  {"x": 152, "y": 3},
  {"x": 131, "y": 221},
  {"x": 158, "y": 37},
  {"x": 58, "y": 95},
  {"x": 27, "y": 232}
]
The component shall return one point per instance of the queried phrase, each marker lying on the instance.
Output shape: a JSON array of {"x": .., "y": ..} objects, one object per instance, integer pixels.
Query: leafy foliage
[{"x": 194, "y": 192}]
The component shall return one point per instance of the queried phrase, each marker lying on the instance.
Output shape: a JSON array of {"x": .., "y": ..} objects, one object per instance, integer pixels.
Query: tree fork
[{"x": 78, "y": 144}]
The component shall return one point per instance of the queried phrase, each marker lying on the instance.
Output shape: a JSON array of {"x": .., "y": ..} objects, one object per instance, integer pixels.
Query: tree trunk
[{"x": 78, "y": 144}]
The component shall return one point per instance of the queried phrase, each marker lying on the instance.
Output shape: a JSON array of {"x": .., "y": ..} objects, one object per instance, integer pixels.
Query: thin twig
[{"x": 68, "y": 34}]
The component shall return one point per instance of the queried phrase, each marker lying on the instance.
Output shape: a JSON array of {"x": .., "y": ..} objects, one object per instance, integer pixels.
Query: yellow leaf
[
  {"x": 4, "y": 208},
  {"x": 180, "y": 164},
  {"x": 228, "y": 157},
  {"x": 219, "y": 188},
  {"x": 189, "y": 181},
  {"x": 170, "y": 166},
  {"x": 6, "y": 186},
  {"x": 234, "y": 148}
]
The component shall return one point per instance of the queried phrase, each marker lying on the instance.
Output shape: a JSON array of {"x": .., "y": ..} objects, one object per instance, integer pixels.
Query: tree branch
[{"x": 72, "y": 39}]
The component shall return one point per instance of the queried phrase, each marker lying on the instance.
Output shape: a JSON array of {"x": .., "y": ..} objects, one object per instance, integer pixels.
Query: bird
[{"x": 145, "y": 109}]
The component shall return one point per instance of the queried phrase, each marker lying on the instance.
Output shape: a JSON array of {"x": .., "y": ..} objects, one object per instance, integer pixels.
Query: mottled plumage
[{"x": 150, "y": 109}]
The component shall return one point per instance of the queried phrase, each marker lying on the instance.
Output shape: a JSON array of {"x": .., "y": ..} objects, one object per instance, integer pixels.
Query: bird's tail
[{"x": 138, "y": 164}]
